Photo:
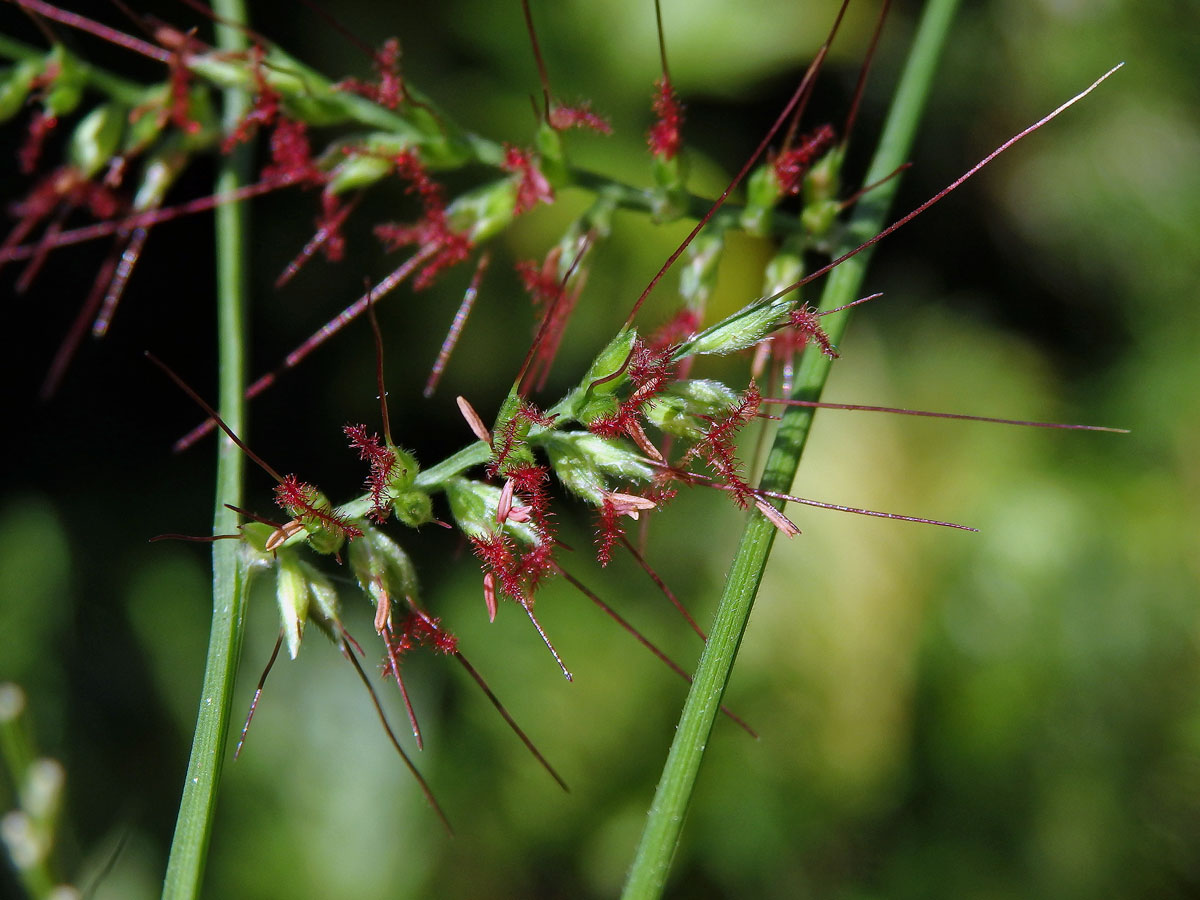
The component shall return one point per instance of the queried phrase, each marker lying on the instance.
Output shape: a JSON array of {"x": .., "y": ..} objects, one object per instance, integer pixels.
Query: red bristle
[
  {"x": 679, "y": 327},
  {"x": 556, "y": 303},
  {"x": 389, "y": 90},
  {"x": 263, "y": 112},
  {"x": 807, "y": 322},
  {"x": 432, "y": 232},
  {"x": 563, "y": 118},
  {"x": 525, "y": 413},
  {"x": 718, "y": 447},
  {"x": 40, "y": 126},
  {"x": 291, "y": 155},
  {"x": 328, "y": 237},
  {"x": 382, "y": 460},
  {"x": 533, "y": 188},
  {"x": 665, "y": 138},
  {"x": 299, "y": 500},
  {"x": 649, "y": 370},
  {"x": 608, "y": 532},
  {"x": 496, "y": 552},
  {"x": 180, "y": 81},
  {"x": 791, "y": 165}
]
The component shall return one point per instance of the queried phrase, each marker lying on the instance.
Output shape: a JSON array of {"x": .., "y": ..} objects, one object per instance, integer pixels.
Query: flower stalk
[{"x": 197, "y": 808}]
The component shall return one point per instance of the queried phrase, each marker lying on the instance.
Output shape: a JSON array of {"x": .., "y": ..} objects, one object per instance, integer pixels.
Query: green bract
[
  {"x": 823, "y": 181},
  {"x": 784, "y": 268},
  {"x": 584, "y": 462},
  {"x": 356, "y": 171},
  {"x": 552, "y": 158},
  {"x": 414, "y": 508},
  {"x": 762, "y": 196},
  {"x": 144, "y": 124},
  {"x": 670, "y": 198},
  {"x": 159, "y": 173},
  {"x": 511, "y": 434},
  {"x": 95, "y": 138},
  {"x": 821, "y": 202},
  {"x": 66, "y": 89},
  {"x": 591, "y": 400},
  {"x": 677, "y": 409},
  {"x": 473, "y": 505},
  {"x": 322, "y": 534},
  {"x": 698, "y": 276},
  {"x": 14, "y": 87},
  {"x": 255, "y": 536},
  {"x": 405, "y": 470},
  {"x": 382, "y": 568},
  {"x": 608, "y": 362},
  {"x": 743, "y": 329},
  {"x": 301, "y": 591},
  {"x": 484, "y": 212},
  {"x": 818, "y": 218}
]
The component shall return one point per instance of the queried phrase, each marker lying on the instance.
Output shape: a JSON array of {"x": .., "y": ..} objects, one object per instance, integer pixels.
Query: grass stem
[
  {"x": 193, "y": 828},
  {"x": 660, "y": 837}
]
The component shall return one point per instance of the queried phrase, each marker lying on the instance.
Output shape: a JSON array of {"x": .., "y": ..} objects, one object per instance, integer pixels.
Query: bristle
[{"x": 262, "y": 681}]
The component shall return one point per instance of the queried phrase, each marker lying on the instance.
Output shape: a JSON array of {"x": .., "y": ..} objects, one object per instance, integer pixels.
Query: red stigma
[
  {"x": 40, "y": 126},
  {"x": 333, "y": 216},
  {"x": 718, "y": 447},
  {"x": 807, "y": 322},
  {"x": 301, "y": 501},
  {"x": 650, "y": 370},
  {"x": 389, "y": 89},
  {"x": 291, "y": 155},
  {"x": 532, "y": 188},
  {"x": 265, "y": 110},
  {"x": 382, "y": 460},
  {"x": 581, "y": 116},
  {"x": 664, "y": 137},
  {"x": 791, "y": 165},
  {"x": 432, "y": 232}
]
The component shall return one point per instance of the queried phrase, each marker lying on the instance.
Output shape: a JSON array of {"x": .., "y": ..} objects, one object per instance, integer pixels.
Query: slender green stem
[
  {"x": 692, "y": 206},
  {"x": 193, "y": 828},
  {"x": 129, "y": 92},
  {"x": 471, "y": 455},
  {"x": 648, "y": 874},
  {"x": 458, "y": 147}
]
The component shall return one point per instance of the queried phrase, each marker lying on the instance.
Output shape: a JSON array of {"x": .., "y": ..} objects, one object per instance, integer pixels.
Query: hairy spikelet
[
  {"x": 382, "y": 460},
  {"x": 665, "y": 138},
  {"x": 302, "y": 501},
  {"x": 718, "y": 447}
]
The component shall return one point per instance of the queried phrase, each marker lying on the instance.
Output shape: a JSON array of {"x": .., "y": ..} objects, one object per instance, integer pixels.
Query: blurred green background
[{"x": 1009, "y": 714}]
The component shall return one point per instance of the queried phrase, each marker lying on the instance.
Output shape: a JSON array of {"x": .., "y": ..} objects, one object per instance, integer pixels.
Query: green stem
[
  {"x": 693, "y": 206},
  {"x": 648, "y": 874},
  {"x": 193, "y": 828},
  {"x": 128, "y": 92},
  {"x": 471, "y": 455}
]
